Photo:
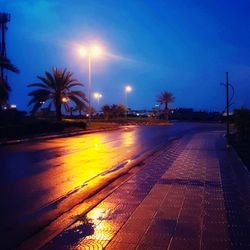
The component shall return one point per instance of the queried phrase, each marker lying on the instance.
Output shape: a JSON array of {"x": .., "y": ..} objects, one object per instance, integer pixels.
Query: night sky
[{"x": 180, "y": 46}]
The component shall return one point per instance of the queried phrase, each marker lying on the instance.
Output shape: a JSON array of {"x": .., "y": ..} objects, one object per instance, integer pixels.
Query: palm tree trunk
[
  {"x": 166, "y": 111},
  {"x": 58, "y": 112}
]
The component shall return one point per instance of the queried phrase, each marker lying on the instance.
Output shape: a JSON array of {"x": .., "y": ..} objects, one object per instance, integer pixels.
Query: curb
[{"x": 54, "y": 136}]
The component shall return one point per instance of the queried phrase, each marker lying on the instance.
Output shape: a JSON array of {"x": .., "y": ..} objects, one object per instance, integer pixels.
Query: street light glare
[
  {"x": 83, "y": 51},
  {"x": 95, "y": 50},
  {"x": 97, "y": 95},
  {"x": 64, "y": 99},
  {"x": 128, "y": 89}
]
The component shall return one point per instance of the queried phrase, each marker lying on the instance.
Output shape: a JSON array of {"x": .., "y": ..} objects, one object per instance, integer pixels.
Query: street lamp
[
  {"x": 97, "y": 96},
  {"x": 128, "y": 89},
  {"x": 92, "y": 51}
]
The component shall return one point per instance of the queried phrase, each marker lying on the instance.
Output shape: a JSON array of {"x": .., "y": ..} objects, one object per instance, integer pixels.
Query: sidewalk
[{"x": 193, "y": 195}]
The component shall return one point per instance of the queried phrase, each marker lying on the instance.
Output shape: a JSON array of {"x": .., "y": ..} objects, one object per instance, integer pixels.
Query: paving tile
[
  {"x": 114, "y": 245},
  {"x": 128, "y": 237},
  {"x": 168, "y": 213},
  {"x": 144, "y": 212},
  {"x": 90, "y": 244},
  {"x": 214, "y": 244},
  {"x": 156, "y": 239},
  {"x": 144, "y": 246},
  {"x": 165, "y": 226},
  {"x": 184, "y": 244},
  {"x": 188, "y": 230}
]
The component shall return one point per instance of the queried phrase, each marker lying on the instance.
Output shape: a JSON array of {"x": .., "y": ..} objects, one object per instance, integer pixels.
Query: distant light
[
  {"x": 225, "y": 114},
  {"x": 13, "y": 106},
  {"x": 64, "y": 99},
  {"x": 128, "y": 89},
  {"x": 97, "y": 95},
  {"x": 138, "y": 114},
  {"x": 42, "y": 102},
  {"x": 5, "y": 108}
]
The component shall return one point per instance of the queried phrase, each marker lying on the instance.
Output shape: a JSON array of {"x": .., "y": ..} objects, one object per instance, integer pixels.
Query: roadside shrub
[
  {"x": 36, "y": 127},
  {"x": 242, "y": 123},
  {"x": 11, "y": 116}
]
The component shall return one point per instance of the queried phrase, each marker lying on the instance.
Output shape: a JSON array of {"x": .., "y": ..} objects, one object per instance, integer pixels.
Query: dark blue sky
[{"x": 180, "y": 46}]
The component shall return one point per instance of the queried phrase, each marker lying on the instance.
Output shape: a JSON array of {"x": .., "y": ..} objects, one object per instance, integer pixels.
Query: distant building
[
  {"x": 190, "y": 115},
  {"x": 140, "y": 113}
]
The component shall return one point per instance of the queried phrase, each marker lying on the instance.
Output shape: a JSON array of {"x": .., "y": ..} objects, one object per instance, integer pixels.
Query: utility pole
[
  {"x": 227, "y": 105},
  {"x": 4, "y": 19}
]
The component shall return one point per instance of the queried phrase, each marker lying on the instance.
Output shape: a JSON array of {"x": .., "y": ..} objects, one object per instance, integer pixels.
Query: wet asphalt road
[{"x": 33, "y": 175}]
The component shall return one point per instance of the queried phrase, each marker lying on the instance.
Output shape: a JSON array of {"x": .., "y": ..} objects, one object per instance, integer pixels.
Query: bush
[
  {"x": 242, "y": 123},
  {"x": 36, "y": 127},
  {"x": 11, "y": 116}
]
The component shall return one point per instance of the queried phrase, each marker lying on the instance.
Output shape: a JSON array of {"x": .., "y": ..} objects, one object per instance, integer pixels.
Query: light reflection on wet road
[{"x": 35, "y": 174}]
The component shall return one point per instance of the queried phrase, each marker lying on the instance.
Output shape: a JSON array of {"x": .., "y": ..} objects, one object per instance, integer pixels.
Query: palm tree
[
  {"x": 106, "y": 111},
  {"x": 4, "y": 92},
  {"x": 165, "y": 98},
  {"x": 57, "y": 89},
  {"x": 5, "y": 88}
]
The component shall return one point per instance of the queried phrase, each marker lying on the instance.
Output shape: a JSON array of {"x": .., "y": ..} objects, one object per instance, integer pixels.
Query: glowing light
[
  {"x": 13, "y": 106},
  {"x": 128, "y": 88},
  {"x": 97, "y": 95},
  {"x": 96, "y": 50},
  {"x": 83, "y": 51},
  {"x": 93, "y": 51},
  {"x": 64, "y": 99}
]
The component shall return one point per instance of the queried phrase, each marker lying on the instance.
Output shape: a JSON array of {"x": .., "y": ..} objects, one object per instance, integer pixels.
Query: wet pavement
[
  {"x": 192, "y": 195},
  {"x": 37, "y": 179}
]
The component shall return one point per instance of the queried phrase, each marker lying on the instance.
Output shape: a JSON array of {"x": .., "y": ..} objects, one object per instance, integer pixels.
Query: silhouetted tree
[
  {"x": 165, "y": 98},
  {"x": 118, "y": 110},
  {"x": 5, "y": 88},
  {"x": 57, "y": 88},
  {"x": 106, "y": 111},
  {"x": 115, "y": 110},
  {"x": 121, "y": 110}
]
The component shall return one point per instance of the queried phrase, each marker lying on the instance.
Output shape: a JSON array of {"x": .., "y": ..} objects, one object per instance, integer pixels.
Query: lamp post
[
  {"x": 92, "y": 51},
  {"x": 97, "y": 96},
  {"x": 128, "y": 89}
]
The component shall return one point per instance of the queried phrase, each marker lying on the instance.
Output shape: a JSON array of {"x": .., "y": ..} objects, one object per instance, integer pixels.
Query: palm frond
[
  {"x": 77, "y": 101},
  {"x": 50, "y": 80},
  {"x": 39, "y": 92},
  {"x": 74, "y": 84},
  {"x": 77, "y": 93},
  {"x": 38, "y": 85},
  {"x": 36, "y": 107},
  {"x": 6, "y": 64}
]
